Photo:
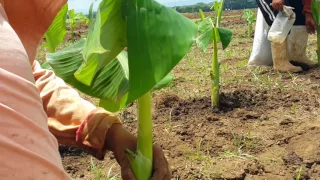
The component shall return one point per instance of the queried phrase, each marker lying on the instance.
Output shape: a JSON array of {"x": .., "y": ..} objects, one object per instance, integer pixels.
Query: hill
[{"x": 206, "y": 7}]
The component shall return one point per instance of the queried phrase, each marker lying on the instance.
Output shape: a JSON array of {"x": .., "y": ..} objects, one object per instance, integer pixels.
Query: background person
[{"x": 294, "y": 47}]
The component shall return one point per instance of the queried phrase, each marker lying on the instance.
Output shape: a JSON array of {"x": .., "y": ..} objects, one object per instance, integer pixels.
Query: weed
[
  {"x": 299, "y": 173},
  {"x": 246, "y": 142},
  {"x": 239, "y": 154},
  {"x": 96, "y": 171},
  {"x": 98, "y": 175},
  {"x": 168, "y": 127},
  {"x": 242, "y": 64}
]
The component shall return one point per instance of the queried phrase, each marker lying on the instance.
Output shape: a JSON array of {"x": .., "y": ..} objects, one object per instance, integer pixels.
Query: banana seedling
[
  {"x": 73, "y": 19},
  {"x": 251, "y": 19},
  {"x": 210, "y": 31},
  {"x": 157, "y": 38}
]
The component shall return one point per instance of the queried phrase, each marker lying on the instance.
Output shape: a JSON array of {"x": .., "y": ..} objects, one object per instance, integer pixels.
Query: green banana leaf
[
  {"x": 165, "y": 82},
  {"x": 46, "y": 65},
  {"x": 225, "y": 36},
  {"x": 202, "y": 16},
  {"x": 57, "y": 30},
  {"x": 149, "y": 63},
  {"x": 110, "y": 83},
  {"x": 249, "y": 16},
  {"x": 316, "y": 11},
  {"x": 218, "y": 9},
  {"x": 87, "y": 64},
  {"x": 106, "y": 39},
  {"x": 205, "y": 25},
  {"x": 114, "y": 106},
  {"x": 158, "y": 38},
  {"x": 205, "y": 29},
  {"x": 71, "y": 18},
  {"x": 204, "y": 39},
  {"x": 82, "y": 17}
]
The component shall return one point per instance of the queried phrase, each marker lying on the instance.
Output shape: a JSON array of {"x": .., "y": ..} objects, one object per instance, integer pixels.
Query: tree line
[{"x": 228, "y": 5}]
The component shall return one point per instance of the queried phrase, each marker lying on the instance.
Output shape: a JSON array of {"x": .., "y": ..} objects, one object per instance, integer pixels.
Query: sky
[{"x": 83, "y": 5}]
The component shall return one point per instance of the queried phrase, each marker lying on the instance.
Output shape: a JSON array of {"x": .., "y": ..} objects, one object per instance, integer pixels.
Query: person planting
[
  {"x": 34, "y": 102},
  {"x": 294, "y": 47}
]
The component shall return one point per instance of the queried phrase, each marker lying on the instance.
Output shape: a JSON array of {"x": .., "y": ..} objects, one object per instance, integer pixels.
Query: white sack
[{"x": 261, "y": 51}]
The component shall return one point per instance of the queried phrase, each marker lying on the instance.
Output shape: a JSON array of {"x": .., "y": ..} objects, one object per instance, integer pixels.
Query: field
[{"x": 268, "y": 126}]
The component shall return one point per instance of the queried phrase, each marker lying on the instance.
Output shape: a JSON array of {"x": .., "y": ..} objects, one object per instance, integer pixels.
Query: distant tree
[
  {"x": 240, "y": 4},
  {"x": 228, "y": 5}
]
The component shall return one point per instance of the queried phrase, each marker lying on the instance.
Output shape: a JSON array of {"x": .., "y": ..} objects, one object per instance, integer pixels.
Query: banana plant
[
  {"x": 157, "y": 38},
  {"x": 251, "y": 19},
  {"x": 316, "y": 16},
  {"x": 212, "y": 32},
  {"x": 72, "y": 20}
]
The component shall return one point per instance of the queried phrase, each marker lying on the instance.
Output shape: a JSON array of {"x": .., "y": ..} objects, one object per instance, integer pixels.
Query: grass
[
  {"x": 299, "y": 173},
  {"x": 99, "y": 175},
  {"x": 245, "y": 142}
]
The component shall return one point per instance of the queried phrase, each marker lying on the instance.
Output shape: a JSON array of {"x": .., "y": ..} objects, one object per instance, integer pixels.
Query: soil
[
  {"x": 256, "y": 134},
  {"x": 267, "y": 126}
]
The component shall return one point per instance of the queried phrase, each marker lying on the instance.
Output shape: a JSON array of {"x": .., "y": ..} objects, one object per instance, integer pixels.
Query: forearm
[
  {"x": 307, "y": 6},
  {"x": 73, "y": 120}
]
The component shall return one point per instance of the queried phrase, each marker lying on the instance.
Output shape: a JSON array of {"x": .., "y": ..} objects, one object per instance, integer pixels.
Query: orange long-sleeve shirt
[{"x": 37, "y": 109}]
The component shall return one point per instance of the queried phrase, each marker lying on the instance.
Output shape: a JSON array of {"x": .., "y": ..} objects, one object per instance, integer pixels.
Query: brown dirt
[
  {"x": 81, "y": 29},
  {"x": 268, "y": 125},
  {"x": 231, "y": 13},
  {"x": 256, "y": 134}
]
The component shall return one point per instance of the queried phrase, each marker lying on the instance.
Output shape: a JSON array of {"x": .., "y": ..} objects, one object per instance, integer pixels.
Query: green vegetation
[
  {"x": 251, "y": 19},
  {"x": 72, "y": 20},
  {"x": 298, "y": 177},
  {"x": 98, "y": 173},
  {"x": 210, "y": 31},
  {"x": 99, "y": 67},
  {"x": 316, "y": 15},
  {"x": 229, "y": 5}
]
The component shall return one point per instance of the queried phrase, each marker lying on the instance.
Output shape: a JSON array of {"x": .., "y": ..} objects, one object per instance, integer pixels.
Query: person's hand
[
  {"x": 311, "y": 25},
  {"x": 277, "y": 5},
  {"x": 161, "y": 169},
  {"x": 118, "y": 139}
]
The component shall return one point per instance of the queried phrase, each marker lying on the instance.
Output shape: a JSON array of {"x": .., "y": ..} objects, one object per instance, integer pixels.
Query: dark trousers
[{"x": 269, "y": 14}]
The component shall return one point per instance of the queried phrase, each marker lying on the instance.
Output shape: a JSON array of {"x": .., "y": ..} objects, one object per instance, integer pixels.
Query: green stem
[
  {"x": 215, "y": 71},
  {"x": 220, "y": 14},
  {"x": 72, "y": 34},
  {"x": 145, "y": 125},
  {"x": 250, "y": 30},
  {"x": 141, "y": 160},
  {"x": 318, "y": 44}
]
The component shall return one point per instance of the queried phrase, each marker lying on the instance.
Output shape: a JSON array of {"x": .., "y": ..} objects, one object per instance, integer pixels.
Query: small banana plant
[
  {"x": 251, "y": 19},
  {"x": 73, "y": 19},
  {"x": 210, "y": 31}
]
